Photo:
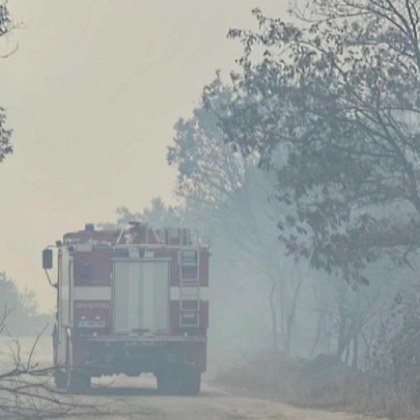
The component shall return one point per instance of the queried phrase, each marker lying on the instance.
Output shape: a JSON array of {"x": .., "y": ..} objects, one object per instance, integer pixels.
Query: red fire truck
[{"x": 130, "y": 301}]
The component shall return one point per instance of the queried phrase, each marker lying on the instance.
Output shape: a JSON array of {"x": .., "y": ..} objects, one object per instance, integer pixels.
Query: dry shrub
[
  {"x": 324, "y": 382},
  {"x": 263, "y": 375}
]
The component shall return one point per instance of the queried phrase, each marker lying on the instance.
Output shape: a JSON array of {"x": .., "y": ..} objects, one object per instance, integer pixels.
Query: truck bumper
[{"x": 135, "y": 355}]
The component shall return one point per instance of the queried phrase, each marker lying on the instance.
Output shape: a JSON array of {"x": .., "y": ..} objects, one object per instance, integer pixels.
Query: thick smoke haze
[
  {"x": 237, "y": 190},
  {"x": 92, "y": 94}
]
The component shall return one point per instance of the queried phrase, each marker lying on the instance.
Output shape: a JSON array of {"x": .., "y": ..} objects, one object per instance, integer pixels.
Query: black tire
[
  {"x": 162, "y": 384},
  {"x": 60, "y": 379},
  {"x": 166, "y": 383},
  {"x": 179, "y": 381},
  {"x": 78, "y": 382},
  {"x": 191, "y": 383}
]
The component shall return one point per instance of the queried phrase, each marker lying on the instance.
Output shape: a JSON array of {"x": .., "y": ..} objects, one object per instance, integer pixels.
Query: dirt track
[{"x": 134, "y": 398}]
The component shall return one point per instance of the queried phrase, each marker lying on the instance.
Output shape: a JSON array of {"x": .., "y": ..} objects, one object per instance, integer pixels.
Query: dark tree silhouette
[
  {"x": 5, "y": 134},
  {"x": 337, "y": 96}
]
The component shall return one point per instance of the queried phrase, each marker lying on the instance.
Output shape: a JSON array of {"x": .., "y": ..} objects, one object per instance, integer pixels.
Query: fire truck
[{"x": 130, "y": 301}]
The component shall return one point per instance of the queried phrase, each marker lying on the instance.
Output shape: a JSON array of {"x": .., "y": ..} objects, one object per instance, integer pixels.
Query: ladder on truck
[{"x": 189, "y": 283}]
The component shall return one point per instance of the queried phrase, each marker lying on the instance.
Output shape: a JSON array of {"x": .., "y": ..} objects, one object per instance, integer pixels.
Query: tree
[
  {"x": 235, "y": 198},
  {"x": 350, "y": 317},
  {"x": 23, "y": 315},
  {"x": 5, "y": 134},
  {"x": 158, "y": 215},
  {"x": 336, "y": 95},
  {"x": 208, "y": 172}
]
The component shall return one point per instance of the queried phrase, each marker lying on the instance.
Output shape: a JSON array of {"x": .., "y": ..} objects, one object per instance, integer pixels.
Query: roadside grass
[{"x": 322, "y": 383}]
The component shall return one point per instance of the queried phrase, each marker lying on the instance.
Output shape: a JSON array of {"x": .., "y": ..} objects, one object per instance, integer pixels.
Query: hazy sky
[{"x": 92, "y": 95}]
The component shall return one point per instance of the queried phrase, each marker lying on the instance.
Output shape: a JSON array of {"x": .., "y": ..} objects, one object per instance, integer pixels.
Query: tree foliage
[
  {"x": 158, "y": 215},
  {"x": 234, "y": 200},
  {"x": 337, "y": 96},
  {"x": 5, "y": 134},
  {"x": 208, "y": 172}
]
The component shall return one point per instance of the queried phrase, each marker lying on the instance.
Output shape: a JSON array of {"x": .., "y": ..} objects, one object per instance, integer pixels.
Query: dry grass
[{"x": 318, "y": 384}]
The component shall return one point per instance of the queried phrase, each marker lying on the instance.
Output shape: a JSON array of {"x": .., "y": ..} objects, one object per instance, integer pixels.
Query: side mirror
[{"x": 47, "y": 259}]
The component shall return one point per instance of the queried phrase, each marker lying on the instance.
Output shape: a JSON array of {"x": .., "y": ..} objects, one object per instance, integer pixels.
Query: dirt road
[{"x": 134, "y": 398}]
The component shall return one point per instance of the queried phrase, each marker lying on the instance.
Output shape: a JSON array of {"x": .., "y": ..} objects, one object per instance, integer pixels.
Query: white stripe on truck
[
  {"x": 92, "y": 293},
  {"x": 104, "y": 293},
  {"x": 189, "y": 293}
]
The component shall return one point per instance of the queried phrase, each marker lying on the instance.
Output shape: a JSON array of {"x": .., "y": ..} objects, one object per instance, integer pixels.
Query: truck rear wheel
[
  {"x": 164, "y": 384},
  {"x": 179, "y": 381},
  {"x": 191, "y": 382},
  {"x": 168, "y": 380},
  {"x": 78, "y": 382},
  {"x": 60, "y": 379}
]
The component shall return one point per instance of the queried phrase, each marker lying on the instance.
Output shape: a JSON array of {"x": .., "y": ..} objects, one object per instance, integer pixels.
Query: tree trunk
[
  {"x": 355, "y": 350},
  {"x": 291, "y": 316},
  {"x": 274, "y": 316}
]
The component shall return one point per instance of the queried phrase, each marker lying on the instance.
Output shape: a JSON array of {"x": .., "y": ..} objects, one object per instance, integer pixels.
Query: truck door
[{"x": 141, "y": 296}]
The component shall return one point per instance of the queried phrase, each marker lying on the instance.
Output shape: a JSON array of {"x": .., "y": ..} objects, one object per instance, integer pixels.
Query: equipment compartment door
[{"x": 141, "y": 296}]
